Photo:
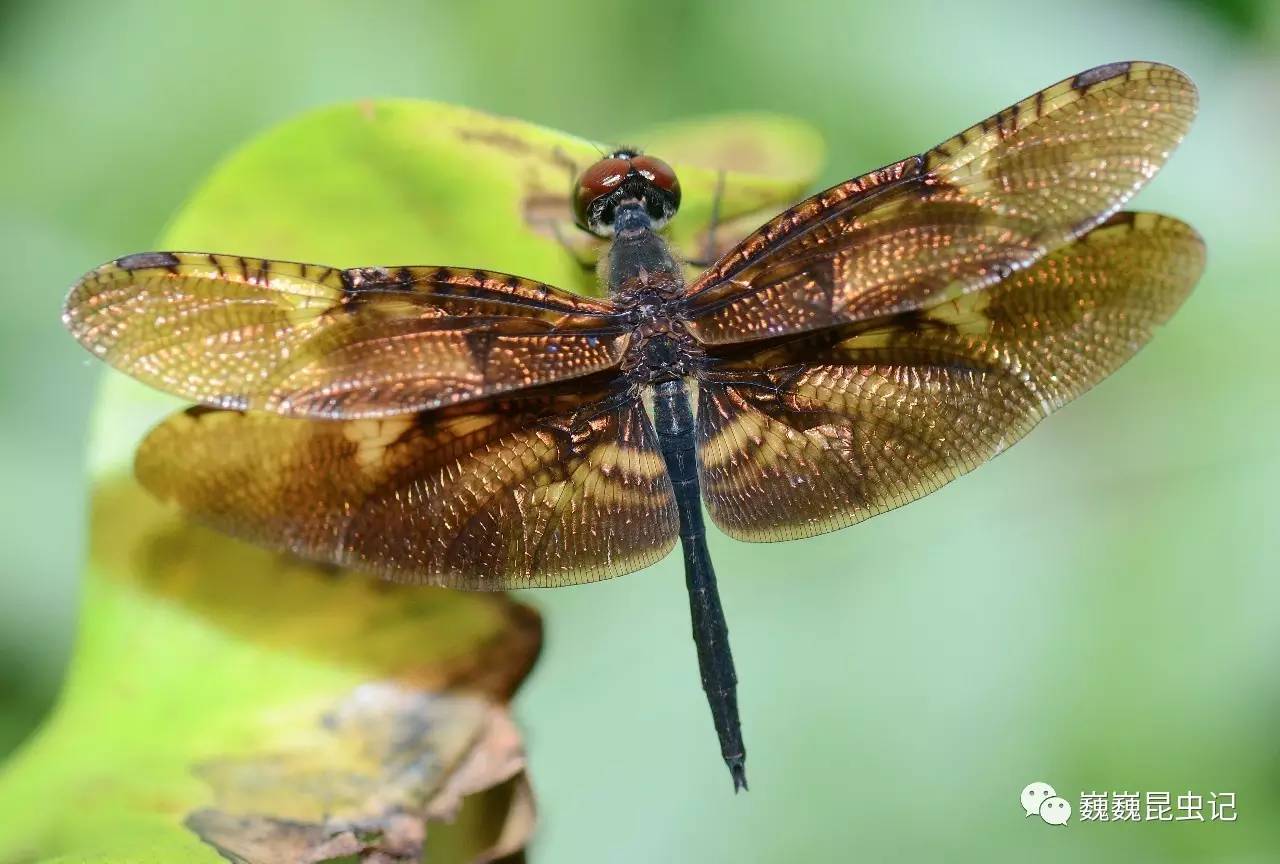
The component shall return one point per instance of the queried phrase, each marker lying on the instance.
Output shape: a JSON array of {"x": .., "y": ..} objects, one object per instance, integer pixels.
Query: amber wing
[
  {"x": 313, "y": 341},
  {"x": 547, "y": 489},
  {"x": 811, "y": 434},
  {"x": 924, "y": 231}
]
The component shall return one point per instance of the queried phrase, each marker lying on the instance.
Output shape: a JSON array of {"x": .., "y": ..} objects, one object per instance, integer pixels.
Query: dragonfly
[{"x": 478, "y": 430}]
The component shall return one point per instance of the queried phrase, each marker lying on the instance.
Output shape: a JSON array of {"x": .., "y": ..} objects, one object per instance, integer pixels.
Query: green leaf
[{"x": 224, "y": 699}]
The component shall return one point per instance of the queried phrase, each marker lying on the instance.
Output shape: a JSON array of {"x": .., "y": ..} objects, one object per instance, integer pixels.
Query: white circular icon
[
  {"x": 1035, "y": 794},
  {"x": 1055, "y": 810}
]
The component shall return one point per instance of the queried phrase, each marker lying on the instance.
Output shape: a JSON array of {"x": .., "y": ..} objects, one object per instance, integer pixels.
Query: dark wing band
[
  {"x": 310, "y": 341},
  {"x": 817, "y": 433},
  {"x": 927, "y": 230}
]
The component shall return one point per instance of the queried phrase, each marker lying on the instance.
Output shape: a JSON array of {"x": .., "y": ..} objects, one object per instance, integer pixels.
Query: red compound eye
[
  {"x": 600, "y": 179},
  {"x": 656, "y": 171}
]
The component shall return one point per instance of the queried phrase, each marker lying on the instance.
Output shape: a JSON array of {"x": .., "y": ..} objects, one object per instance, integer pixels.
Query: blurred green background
[{"x": 1096, "y": 609}]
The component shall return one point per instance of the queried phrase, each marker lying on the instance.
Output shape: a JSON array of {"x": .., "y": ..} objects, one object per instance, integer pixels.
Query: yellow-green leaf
[{"x": 227, "y": 702}]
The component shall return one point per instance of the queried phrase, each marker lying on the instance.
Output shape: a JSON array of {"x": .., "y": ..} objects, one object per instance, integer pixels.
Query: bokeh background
[{"x": 1097, "y": 609}]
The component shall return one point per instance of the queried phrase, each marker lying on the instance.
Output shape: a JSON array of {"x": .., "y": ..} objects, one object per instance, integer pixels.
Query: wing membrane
[
  {"x": 313, "y": 341},
  {"x": 820, "y": 432},
  {"x": 990, "y": 201},
  {"x": 553, "y": 490}
]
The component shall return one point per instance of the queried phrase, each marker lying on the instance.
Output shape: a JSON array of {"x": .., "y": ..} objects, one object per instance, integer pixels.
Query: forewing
[
  {"x": 990, "y": 201},
  {"x": 552, "y": 490},
  {"x": 822, "y": 431},
  {"x": 312, "y": 341}
]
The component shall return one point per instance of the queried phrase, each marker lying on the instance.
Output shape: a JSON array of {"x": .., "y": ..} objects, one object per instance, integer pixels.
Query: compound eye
[
  {"x": 657, "y": 172},
  {"x": 598, "y": 180}
]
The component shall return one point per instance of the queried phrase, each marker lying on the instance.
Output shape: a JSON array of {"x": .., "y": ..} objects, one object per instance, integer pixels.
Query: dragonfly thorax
[
  {"x": 641, "y": 268},
  {"x": 661, "y": 350},
  {"x": 644, "y": 276}
]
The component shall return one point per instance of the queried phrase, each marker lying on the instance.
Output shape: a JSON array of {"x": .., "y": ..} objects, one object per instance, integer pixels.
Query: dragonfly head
[{"x": 624, "y": 175}]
